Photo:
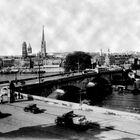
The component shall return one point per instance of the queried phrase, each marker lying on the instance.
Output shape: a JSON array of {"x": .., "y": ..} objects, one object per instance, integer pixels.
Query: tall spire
[
  {"x": 43, "y": 44},
  {"x": 43, "y": 36}
]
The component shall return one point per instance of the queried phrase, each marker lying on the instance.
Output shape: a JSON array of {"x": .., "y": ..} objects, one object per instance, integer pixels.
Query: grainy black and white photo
[{"x": 70, "y": 69}]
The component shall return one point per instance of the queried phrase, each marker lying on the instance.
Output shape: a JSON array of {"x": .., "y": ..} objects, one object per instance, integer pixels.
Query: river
[{"x": 125, "y": 101}]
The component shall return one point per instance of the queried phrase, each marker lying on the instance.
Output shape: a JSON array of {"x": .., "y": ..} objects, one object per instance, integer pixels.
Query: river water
[{"x": 126, "y": 101}]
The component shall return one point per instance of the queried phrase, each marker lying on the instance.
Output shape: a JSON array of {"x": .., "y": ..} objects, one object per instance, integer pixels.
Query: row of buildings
[
  {"x": 58, "y": 59},
  {"x": 116, "y": 59}
]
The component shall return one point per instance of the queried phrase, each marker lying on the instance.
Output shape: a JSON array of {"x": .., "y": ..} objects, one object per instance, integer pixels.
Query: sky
[{"x": 70, "y": 25}]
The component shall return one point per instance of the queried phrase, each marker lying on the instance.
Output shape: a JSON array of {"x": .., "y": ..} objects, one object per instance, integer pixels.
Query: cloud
[{"x": 85, "y": 25}]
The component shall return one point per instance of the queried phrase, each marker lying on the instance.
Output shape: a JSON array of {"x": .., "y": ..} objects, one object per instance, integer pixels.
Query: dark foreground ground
[{"x": 112, "y": 125}]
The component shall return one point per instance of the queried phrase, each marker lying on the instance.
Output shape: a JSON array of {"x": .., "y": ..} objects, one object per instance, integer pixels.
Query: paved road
[{"x": 19, "y": 124}]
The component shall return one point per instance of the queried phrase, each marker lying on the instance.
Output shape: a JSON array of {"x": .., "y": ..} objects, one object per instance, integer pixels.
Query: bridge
[{"x": 76, "y": 82}]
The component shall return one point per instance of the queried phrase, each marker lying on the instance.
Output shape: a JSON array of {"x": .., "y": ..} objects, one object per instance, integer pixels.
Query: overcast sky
[{"x": 70, "y": 25}]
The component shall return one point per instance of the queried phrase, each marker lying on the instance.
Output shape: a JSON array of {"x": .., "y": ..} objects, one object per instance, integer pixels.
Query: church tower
[
  {"x": 29, "y": 49},
  {"x": 43, "y": 44},
  {"x": 24, "y": 50}
]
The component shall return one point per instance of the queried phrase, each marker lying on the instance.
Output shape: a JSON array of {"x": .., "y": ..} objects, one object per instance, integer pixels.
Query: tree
[{"x": 77, "y": 61}]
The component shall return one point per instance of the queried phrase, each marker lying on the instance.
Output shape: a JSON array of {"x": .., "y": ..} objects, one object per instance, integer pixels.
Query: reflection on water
[{"x": 125, "y": 102}]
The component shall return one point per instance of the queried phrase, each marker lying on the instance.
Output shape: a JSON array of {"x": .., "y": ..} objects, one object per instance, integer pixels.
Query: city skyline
[{"x": 87, "y": 25}]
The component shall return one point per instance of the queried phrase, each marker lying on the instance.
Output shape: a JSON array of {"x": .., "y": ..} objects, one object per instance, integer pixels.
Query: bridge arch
[
  {"x": 101, "y": 80},
  {"x": 100, "y": 90},
  {"x": 70, "y": 93}
]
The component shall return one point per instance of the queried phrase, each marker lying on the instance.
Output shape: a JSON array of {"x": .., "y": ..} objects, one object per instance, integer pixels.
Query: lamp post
[
  {"x": 80, "y": 98},
  {"x": 39, "y": 73},
  {"x": 92, "y": 61},
  {"x": 16, "y": 78},
  {"x": 39, "y": 64}
]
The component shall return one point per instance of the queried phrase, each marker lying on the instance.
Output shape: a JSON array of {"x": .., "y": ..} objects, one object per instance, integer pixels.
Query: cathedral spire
[
  {"x": 43, "y": 44},
  {"x": 43, "y": 36}
]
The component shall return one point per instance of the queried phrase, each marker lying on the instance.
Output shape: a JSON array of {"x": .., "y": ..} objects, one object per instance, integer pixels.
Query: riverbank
[{"x": 126, "y": 122}]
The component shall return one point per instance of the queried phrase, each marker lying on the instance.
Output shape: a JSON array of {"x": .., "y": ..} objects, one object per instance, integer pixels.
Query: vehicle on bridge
[
  {"x": 32, "y": 108},
  {"x": 73, "y": 121},
  {"x": 90, "y": 71}
]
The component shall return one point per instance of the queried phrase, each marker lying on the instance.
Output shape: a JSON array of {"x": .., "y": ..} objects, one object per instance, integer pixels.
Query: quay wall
[{"x": 83, "y": 107}]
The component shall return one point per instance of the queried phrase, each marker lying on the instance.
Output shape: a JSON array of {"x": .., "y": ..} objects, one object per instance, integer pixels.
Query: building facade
[
  {"x": 119, "y": 59},
  {"x": 8, "y": 62}
]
